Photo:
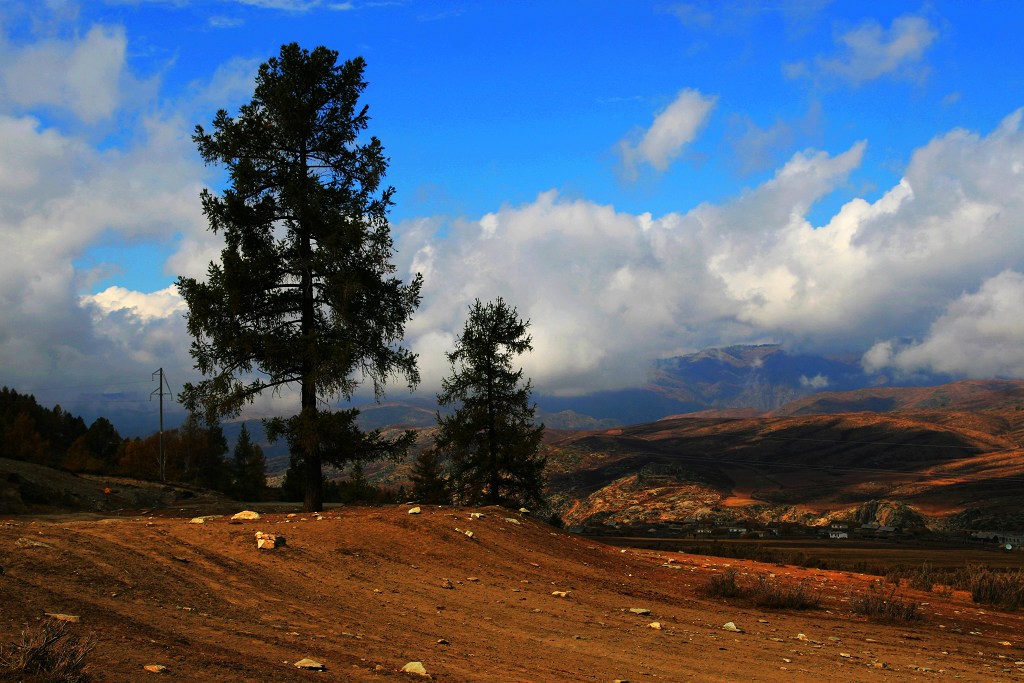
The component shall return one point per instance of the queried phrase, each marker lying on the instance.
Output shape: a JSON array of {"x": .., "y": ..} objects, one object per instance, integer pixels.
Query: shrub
[
  {"x": 47, "y": 654},
  {"x": 924, "y": 578},
  {"x": 723, "y": 585},
  {"x": 1001, "y": 589},
  {"x": 886, "y": 608},
  {"x": 772, "y": 595},
  {"x": 765, "y": 592}
]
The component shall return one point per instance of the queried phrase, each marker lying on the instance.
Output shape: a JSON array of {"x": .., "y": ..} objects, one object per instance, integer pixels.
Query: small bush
[
  {"x": 47, "y": 654},
  {"x": 886, "y": 608},
  {"x": 764, "y": 592},
  {"x": 924, "y": 578},
  {"x": 1000, "y": 589},
  {"x": 723, "y": 585},
  {"x": 771, "y": 595}
]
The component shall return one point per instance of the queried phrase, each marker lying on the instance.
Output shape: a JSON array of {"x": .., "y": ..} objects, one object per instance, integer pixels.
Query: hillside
[
  {"x": 364, "y": 591},
  {"x": 946, "y": 465}
]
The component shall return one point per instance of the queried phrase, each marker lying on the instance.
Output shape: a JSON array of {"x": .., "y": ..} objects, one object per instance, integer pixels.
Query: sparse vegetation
[
  {"x": 764, "y": 592},
  {"x": 886, "y": 608},
  {"x": 1001, "y": 589},
  {"x": 46, "y": 654}
]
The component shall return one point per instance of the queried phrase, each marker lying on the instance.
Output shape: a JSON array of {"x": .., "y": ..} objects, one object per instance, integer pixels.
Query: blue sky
[{"x": 640, "y": 179}]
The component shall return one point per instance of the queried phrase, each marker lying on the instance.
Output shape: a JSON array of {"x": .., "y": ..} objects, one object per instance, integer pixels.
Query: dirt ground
[{"x": 366, "y": 590}]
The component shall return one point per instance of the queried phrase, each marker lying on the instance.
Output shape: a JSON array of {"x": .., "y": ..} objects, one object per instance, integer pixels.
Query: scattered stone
[
  {"x": 310, "y": 665},
  {"x": 845, "y": 655},
  {"x": 445, "y": 583},
  {"x": 29, "y": 543},
  {"x": 476, "y": 515},
  {"x": 414, "y": 511},
  {"x": 179, "y": 558},
  {"x": 442, "y": 641},
  {"x": 642, "y": 611},
  {"x": 656, "y": 625},
  {"x": 730, "y": 626},
  {"x": 524, "y": 511},
  {"x": 801, "y": 636},
  {"x": 73, "y": 618},
  {"x": 268, "y": 541},
  {"x": 415, "y": 668},
  {"x": 195, "y": 520},
  {"x": 560, "y": 594},
  {"x": 472, "y": 578},
  {"x": 246, "y": 515},
  {"x": 155, "y": 668},
  {"x": 469, "y": 534},
  {"x": 512, "y": 520},
  {"x": 621, "y": 680}
]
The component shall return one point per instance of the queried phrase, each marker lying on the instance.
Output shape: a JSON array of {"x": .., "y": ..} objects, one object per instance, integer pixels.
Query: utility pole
[{"x": 159, "y": 391}]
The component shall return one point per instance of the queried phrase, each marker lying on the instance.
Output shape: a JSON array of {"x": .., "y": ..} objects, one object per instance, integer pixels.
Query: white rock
[
  {"x": 155, "y": 668},
  {"x": 246, "y": 514},
  {"x": 524, "y": 511},
  {"x": 656, "y": 625},
  {"x": 268, "y": 541},
  {"x": 476, "y": 515},
  {"x": 560, "y": 594},
  {"x": 730, "y": 626},
  {"x": 415, "y": 668},
  {"x": 310, "y": 664},
  {"x": 197, "y": 520},
  {"x": 642, "y": 611},
  {"x": 414, "y": 511}
]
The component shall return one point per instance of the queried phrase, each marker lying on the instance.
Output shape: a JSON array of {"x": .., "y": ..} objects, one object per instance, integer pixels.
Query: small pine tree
[
  {"x": 491, "y": 439},
  {"x": 430, "y": 485},
  {"x": 249, "y": 468}
]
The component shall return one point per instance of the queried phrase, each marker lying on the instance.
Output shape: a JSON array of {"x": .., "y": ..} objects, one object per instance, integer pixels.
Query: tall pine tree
[
  {"x": 491, "y": 439},
  {"x": 305, "y": 294}
]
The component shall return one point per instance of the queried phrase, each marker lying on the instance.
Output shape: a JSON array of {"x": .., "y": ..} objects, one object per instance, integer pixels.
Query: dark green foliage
[
  {"x": 248, "y": 468},
  {"x": 48, "y": 653},
  {"x": 28, "y": 431},
  {"x": 339, "y": 442},
  {"x": 430, "y": 485},
  {"x": 491, "y": 439},
  {"x": 305, "y": 293}
]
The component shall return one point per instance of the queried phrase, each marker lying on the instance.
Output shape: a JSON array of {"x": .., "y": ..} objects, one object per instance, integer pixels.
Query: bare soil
[{"x": 365, "y": 590}]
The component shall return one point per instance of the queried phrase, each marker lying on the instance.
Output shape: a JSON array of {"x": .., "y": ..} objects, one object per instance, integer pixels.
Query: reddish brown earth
[{"x": 363, "y": 591}]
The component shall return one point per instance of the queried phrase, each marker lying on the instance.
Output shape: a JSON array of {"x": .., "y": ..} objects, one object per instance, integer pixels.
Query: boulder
[
  {"x": 310, "y": 665},
  {"x": 415, "y": 668},
  {"x": 268, "y": 541}
]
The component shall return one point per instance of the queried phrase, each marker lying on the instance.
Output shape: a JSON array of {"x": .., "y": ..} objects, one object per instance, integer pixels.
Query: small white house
[{"x": 833, "y": 534}]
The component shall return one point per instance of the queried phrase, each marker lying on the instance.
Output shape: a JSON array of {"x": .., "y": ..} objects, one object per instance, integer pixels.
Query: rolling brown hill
[
  {"x": 364, "y": 591},
  {"x": 950, "y": 452}
]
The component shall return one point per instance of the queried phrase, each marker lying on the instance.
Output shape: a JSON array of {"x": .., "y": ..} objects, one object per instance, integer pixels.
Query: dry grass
[
  {"x": 885, "y": 608},
  {"x": 46, "y": 654},
  {"x": 764, "y": 592}
]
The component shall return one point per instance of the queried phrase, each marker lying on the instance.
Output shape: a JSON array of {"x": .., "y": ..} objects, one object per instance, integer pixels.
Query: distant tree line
[{"x": 194, "y": 453}]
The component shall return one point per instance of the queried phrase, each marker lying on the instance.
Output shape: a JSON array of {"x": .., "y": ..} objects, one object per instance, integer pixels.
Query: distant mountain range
[{"x": 757, "y": 378}]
